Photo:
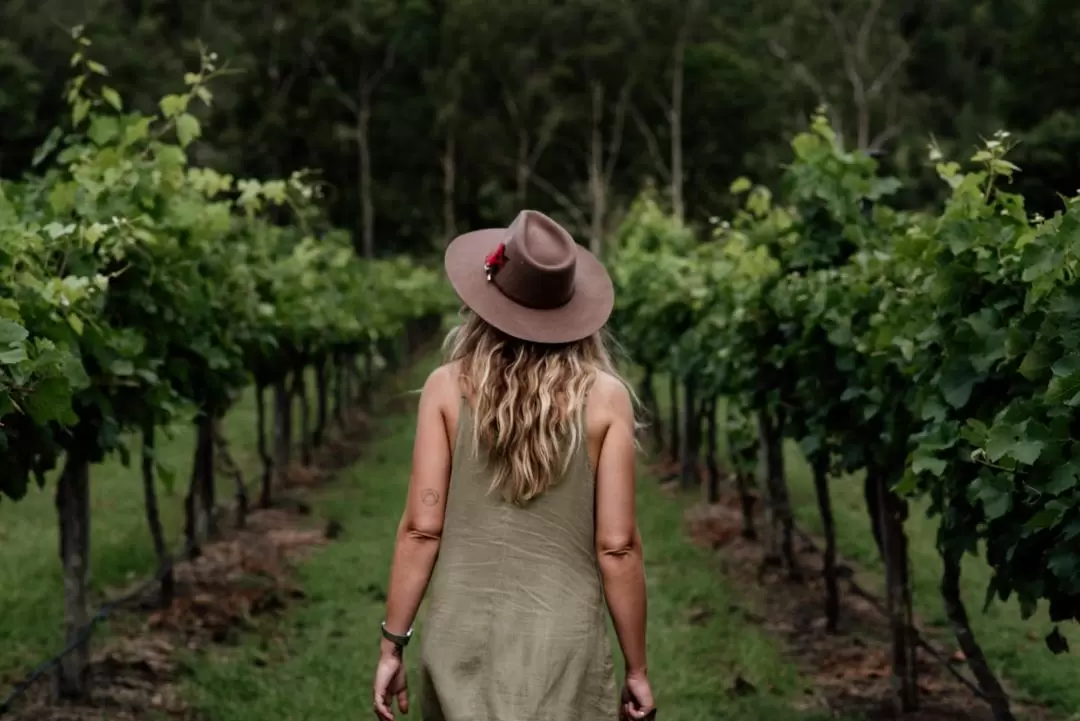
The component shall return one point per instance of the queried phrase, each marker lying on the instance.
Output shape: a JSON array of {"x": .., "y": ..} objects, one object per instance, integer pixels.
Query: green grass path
[
  {"x": 318, "y": 664},
  {"x": 1014, "y": 646},
  {"x": 31, "y": 587}
]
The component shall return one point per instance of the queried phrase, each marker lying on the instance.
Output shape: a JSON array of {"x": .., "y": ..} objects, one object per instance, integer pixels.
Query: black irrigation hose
[{"x": 84, "y": 633}]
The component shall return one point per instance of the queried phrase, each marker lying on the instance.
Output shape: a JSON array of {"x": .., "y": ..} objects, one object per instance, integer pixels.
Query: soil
[
  {"x": 240, "y": 580},
  {"x": 850, "y": 669}
]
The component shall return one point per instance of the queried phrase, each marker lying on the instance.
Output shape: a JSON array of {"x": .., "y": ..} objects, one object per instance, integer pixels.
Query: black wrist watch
[{"x": 399, "y": 641}]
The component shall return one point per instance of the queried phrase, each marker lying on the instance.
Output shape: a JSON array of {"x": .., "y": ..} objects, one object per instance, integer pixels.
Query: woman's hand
[
  {"x": 390, "y": 683},
  {"x": 637, "y": 698}
]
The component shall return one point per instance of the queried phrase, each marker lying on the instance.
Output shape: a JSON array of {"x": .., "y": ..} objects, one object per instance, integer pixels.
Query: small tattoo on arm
[{"x": 429, "y": 497}]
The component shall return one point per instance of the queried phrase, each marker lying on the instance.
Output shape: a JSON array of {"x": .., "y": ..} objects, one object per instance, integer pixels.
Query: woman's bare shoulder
[
  {"x": 610, "y": 400},
  {"x": 443, "y": 382}
]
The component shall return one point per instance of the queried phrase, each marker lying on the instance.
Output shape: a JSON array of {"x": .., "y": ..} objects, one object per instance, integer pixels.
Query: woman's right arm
[{"x": 618, "y": 544}]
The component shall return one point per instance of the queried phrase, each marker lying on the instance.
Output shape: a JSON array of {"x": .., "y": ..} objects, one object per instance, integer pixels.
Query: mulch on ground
[
  {"x": 240, "y": 579},
  {"x": 850, "y": 670}
]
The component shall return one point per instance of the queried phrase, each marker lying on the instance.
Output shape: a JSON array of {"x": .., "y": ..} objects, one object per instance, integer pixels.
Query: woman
[{"x": 521, "y": 499}]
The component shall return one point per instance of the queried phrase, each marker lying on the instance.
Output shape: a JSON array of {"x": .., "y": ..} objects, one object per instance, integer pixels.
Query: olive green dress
[{"x": 516, "y": 623}]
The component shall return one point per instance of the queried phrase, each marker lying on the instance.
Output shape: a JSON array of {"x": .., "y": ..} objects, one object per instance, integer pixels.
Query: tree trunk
[
  {"x": 346, "y": 383},
  {"x": 597, "y": 187},
  {"x": 282, "y": 425},
  {"x": 688, "y": 454},
  {"x": 449, "y": 182},
  {"x": 675, "y": 121},
  {"x": 339, "y": 388},
  {"x": 73, "y": 508},
  {"x": 266, "y": 482},
  {"x": 712, "y": 492},
  {"x": 363, "y": 157},
  {"x": 153, "y": 518},
  {"x": 957, "y": 613},
  {"x": 746, "y": 504},
  {"x": 360, "y": 391},
  {"x": 779, "y": 523},
  {"x": 871, "y": 486},
  {"x": 193, "y": 527},
  {"x": 820, "y": 465},
  {"x": 320, "y": 402},
  {"x": 369, "y": 376},
  {"x": 229, "y": 466},
  {"x": 299, "y": 389},
  {"x": 898, "y": 596},
  {"x": 673, "y": 389},
  {"x": 521, "y": 167},
  {"x": 207, "y": 495}
]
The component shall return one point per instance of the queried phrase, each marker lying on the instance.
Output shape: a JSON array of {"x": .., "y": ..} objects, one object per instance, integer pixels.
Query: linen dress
[{"x": 516, "y": 624}]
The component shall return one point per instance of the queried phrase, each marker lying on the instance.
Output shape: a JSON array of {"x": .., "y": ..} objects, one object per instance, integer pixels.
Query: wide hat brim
[{"x": 584, "y": 314}]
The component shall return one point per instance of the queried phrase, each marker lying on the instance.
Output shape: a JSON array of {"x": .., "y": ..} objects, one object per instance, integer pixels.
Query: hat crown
[{"x": 540, "y": 262}]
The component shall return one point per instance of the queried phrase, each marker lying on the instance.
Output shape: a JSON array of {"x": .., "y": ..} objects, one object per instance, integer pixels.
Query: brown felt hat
[{"x": 531, "y": 280}]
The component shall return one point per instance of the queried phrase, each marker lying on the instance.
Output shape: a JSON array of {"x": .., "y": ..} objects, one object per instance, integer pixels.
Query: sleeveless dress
[{"x": 516, "y": 626}]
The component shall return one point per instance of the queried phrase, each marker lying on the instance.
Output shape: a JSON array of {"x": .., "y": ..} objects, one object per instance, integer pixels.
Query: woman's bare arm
[
  {"x": 421, "y": 524},
  {"x": 618, "y": 544}
]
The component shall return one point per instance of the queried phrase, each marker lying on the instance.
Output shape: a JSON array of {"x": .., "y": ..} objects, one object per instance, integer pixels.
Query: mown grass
[
  {"x": 1014, "y": 647},
  {"x": 319, "y": 662},
  {"x": 31, "y": 587}
]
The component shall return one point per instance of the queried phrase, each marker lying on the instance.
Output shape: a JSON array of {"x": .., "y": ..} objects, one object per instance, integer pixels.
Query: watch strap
[{"x": 397, "y": 640}]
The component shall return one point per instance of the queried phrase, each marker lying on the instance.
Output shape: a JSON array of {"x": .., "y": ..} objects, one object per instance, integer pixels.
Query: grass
[
  {"x": 1014, "y": 647},
  {"x": 31, "y": 587},
  {"x": 319, "y": 662}
]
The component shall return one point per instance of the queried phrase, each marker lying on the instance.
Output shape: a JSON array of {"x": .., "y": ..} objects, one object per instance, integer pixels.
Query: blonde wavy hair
[{"x": 529, "y": 400}]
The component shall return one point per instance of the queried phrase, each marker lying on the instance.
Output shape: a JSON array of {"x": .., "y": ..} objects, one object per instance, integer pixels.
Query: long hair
[{"x": 529, "y": 402}]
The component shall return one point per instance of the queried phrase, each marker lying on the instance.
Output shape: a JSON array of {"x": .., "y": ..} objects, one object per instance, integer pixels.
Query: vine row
[
  {"x": 139, "y": 291},
  {"x": 931, "y": 354}
]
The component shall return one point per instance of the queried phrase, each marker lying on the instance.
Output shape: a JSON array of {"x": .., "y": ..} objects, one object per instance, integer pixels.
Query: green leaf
[
  {"x": 103, "y": 129},
  {"x": 50, "y": 401},
  {"x": 1023, "y": 442},
  {"x": 112, "y": 98},
  {"x": 956, "y": 382},
  {"x": 76, "y": 324},
  {"x": 1064, "y": 565},
  {"x": 740, "y": 185},
  {"x": 11, "y": 332},
  {"x": 187, "y": 128},
  {"x": 928, "y": 464},
  {"x": 1063, "y": 478},
  {"x": 1027, "y": 451},
  {"x": 47, "y": 147},
  {"x": 122, "y": 367},
  {"x": 79, "y": 110},
  {"x": 1066, "y": 365},
  {"x": 997, "y": 504},
  {"x": 172, "y": 105},
  {"x": 1046, "y": 518},
  {"x": 1062, "y": 388},
  {"x": 12, "y": 356},
  {"x": 1036, "y": 360}
]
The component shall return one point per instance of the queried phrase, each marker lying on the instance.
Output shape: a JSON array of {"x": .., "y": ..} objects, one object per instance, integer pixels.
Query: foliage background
[{"x": 494, "y": 82}]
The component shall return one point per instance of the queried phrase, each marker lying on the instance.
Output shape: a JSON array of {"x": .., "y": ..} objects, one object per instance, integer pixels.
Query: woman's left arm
[{"x": 421, "y": 524}]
